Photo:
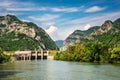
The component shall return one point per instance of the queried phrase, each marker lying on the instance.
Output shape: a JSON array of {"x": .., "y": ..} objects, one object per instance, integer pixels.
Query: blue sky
[{"x": 59, "y": 18}]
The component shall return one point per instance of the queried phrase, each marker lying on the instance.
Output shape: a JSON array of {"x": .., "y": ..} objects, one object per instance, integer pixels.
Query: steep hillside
[
  {"x": 101, "y": 46},
  {"x": 77, "y": 35},
  {"x": 107, "y": 33},
  {"x": 110, "y": 35},
  {"x": 104, "y": 28},
  {"x": 18, "y": 35}
]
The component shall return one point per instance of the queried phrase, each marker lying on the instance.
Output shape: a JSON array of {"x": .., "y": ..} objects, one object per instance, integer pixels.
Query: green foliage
[
  {"x": 90, "y": 52},
  {"x": 2, "y": 25},
  {"x": 47, "y": 41},
  {"x": 11, "y": 42},
  {"x": 30, "y": 24},
  {"x": 104, "y": 48},
  {"x": 3, "y": 57},
  {"x": 117, "y": 24},
  {"x": 115, "y": 56},
  {"x": 1, "y": 18},
  {"x": 12, "y": 19}
]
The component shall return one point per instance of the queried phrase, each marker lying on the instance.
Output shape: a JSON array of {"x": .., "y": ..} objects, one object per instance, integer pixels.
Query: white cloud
[
  {"x": 5, "y": 4},
  {"x": 79, "y": 23},
  {"x": 48, "y": 23},
  {"x": 96, "y": 19},
  {"x": 51, "y": 30},
  {"x": 28, "y": 6},
  {"x": 25, "y": 20},
  {"x": 71, "y": 9},
  {"x": 94, "y": 9},
  {"x": 87, "y": 26},
  {"x": 20, "y": 9},
  {"x": 45, "y": 17}
]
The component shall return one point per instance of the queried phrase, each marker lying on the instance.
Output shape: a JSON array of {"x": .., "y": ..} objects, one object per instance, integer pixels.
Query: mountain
[
  {"x": 107, "y": 33},
  {"x": 76, "y": 36},
  {"x": 104, "y": 28},
  {"x": 110, "y": 35},
  {"x": 59, "y": 43},
  {"x": 18, "y": 35}
]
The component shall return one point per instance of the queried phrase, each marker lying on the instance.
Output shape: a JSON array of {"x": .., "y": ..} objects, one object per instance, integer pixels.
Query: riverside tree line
[{"x": 90, "y": 52}]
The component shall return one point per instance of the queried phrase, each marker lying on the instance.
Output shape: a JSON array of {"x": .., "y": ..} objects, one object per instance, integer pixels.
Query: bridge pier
[
  {"x": 41, "y": 54},
  {"x": 36, "y": 55}
]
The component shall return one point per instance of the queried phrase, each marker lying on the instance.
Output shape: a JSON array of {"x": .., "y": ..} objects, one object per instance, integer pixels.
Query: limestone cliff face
[
  {"x": 76, "y": 36},
  {"x": 11, "y": 23},
  {"x": 104, "y": 28}
]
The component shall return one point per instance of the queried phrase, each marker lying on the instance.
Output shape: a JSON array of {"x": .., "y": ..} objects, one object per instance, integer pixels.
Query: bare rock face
[
  {"x": 76, "y": 36},
  {"x": 104, "y": 28}
]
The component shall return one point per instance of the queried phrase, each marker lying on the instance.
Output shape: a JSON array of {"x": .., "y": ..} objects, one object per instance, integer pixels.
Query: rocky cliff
[
  {"x": 76, "y": 36},
  {"x": 108, "y": 32},
  {"x": 18, "y": 35}
]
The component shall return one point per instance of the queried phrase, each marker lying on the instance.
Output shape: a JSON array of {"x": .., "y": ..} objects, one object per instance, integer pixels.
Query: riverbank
[{"x": 95, "y": 52}]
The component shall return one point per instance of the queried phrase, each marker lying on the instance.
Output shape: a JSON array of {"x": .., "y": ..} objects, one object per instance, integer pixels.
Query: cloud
[
  {"x": 51, "y": 30},
  {"x": 71, "y": 9},
  {"x": 25, "y": 20},
  {"x": 12, "y": 6},
  {"x": 29, "y": 6},
  {"x": 96, "y": 19},
  {"x": 95, "y": 9},
  {"x": 48, "y": 23},
  {"x": 87, "y": 26},
  {"x": 5, "y": 4},
  {"x": 45, "y": 17},
  {"x": 21, "y": 9},
  {"x": 82, "y": 23}
]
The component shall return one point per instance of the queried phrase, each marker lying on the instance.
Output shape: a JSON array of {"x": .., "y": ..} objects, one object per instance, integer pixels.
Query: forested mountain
[
  {"x": 101, "y": 45},
  {"x": 18, "y": 35},
  {"x": 105, "y": 33},
  {"x": 76, "y": 36}
]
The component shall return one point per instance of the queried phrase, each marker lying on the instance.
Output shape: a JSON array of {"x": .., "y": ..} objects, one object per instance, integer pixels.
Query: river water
[{"x": 58, "y": 70}]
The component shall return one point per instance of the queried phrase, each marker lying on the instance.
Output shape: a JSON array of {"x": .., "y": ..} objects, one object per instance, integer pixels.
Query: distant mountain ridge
[
  {"x": 18, "y": 35},
  {"x": 59, "y": 43},
  {"x": 101, "y": 33}
]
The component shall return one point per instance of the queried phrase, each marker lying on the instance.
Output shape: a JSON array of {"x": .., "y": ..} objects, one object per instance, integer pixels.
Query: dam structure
[{"x": 31, "y": 55}]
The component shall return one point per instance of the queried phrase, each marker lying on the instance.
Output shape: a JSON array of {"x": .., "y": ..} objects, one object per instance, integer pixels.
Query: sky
[{"x": 59, "y": 18}]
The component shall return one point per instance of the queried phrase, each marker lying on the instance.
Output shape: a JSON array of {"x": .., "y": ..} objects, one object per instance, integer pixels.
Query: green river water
[{"x": 58, "y": 70}]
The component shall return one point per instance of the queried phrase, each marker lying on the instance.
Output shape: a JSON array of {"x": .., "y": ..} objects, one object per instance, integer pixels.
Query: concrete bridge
[{"x": 31, "y": 55}]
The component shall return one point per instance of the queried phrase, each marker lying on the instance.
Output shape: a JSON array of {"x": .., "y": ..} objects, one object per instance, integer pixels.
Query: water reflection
[
  {"x": 58, "y": 70},
  {"x": 5, "y": 73}
]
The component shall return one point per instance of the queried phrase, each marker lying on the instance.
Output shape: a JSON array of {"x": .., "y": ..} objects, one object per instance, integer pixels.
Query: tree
[
  {"x": 115, "y": 56},
  {"x": 3, "y": 58}
]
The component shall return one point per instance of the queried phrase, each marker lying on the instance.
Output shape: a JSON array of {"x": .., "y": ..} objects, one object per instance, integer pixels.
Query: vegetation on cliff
[
  {"x": 102, "y": 46},
  {"x": 18, "y": 35}
]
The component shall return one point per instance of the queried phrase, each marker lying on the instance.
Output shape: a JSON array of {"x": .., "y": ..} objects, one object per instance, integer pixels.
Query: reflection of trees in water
[{"x": 5, "y": 73}]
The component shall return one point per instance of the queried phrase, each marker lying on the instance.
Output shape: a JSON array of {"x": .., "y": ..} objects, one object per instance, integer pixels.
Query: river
[{"x": 58, "y": 70}]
